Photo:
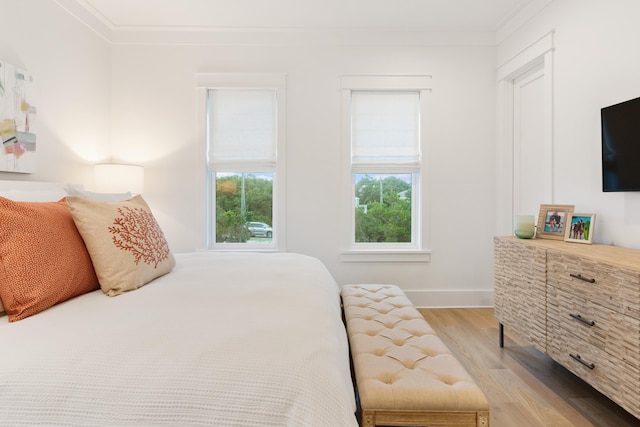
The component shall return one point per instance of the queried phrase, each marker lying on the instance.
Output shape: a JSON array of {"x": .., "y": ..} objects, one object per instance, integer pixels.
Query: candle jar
[{"x": 524, "y": 227}]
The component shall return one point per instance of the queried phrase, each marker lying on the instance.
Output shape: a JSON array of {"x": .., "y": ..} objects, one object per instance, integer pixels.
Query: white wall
[
  {"x": 141, "y": 100},
  {"x": 71, "y": 68},
  {"x": 154, "y": 120},
  {"x": 138, "y": 104},
  {"x": 595, "y": 65}
]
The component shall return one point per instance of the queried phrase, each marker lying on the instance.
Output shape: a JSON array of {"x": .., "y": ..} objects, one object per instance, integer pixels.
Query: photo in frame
[
  {"x": 552, "y": 221},
  {"x": 579, "y": 228}
]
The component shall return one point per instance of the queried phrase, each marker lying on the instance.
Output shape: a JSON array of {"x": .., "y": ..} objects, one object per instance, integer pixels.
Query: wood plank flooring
[{"x": 525, "y": 388}]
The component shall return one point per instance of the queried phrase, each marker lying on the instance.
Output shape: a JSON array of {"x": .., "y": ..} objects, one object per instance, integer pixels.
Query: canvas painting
[{"x": 17, "y": 120}]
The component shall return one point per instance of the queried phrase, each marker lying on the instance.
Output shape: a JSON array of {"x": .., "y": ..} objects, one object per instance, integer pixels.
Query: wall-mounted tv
[{"x": 621, "y": 146}]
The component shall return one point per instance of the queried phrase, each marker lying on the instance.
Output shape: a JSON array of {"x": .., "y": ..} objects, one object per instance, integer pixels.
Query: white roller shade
[
  {"x": 385, "y": 127},
  {"x": 242, "y": 128}
]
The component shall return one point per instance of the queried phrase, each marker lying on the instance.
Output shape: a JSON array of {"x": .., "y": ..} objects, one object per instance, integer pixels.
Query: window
[
  {"x": 244, "y": 167},
  {"x": 383, "y": 144}
]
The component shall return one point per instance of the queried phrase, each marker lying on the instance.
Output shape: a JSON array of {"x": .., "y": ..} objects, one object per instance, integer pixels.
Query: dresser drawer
[
  {"x": 601, "y": 283},
  {"x": 613, "y": 377},
  {"x": 593, "y": 324}
]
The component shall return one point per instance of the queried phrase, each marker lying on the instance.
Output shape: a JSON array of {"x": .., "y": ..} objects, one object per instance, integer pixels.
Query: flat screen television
[{"x": 621, "y": 146}]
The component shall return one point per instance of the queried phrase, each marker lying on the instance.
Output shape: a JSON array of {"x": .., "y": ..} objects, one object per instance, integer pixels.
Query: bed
[{"x": 222, "y": 339}]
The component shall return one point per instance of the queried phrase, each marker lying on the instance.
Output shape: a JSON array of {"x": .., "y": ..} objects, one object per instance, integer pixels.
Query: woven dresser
[{"x": 580, "y": 304}]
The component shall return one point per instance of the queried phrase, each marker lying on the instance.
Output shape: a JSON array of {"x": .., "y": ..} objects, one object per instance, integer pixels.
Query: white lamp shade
[{"x": 118, "y": 178}]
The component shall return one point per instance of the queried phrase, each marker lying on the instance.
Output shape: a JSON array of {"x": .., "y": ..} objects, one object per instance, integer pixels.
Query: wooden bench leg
[
  {"x": 368, "y": 418},
  {"x": 483, "y": 419}
]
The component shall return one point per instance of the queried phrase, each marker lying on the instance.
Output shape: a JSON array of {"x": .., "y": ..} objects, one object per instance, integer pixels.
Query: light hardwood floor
[{"x": 525, "y": 388}]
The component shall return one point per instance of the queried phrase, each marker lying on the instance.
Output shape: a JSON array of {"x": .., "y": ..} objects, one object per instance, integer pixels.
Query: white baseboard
[{"x": 448, "y": 299}]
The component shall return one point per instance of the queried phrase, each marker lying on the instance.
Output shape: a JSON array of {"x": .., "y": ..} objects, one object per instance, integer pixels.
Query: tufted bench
[{"x": 405, "y": 375}]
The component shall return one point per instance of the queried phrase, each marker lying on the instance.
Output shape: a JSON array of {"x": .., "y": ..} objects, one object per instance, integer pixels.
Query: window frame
[
  {"x": 417, "y": 250},
  {"x": 238, "y": 81}
]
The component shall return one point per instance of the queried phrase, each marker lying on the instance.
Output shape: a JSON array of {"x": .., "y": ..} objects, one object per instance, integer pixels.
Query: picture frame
[
  {"x": 552, "y": 221},
  {"x": 580, "y": 227}
]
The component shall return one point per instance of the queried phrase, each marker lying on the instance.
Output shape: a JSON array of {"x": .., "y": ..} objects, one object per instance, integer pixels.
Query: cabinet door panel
[{"x": 519, "y": 290}]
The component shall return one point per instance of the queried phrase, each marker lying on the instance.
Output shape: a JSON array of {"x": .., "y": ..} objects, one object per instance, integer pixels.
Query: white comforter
[{"x": 226, "y": 339}]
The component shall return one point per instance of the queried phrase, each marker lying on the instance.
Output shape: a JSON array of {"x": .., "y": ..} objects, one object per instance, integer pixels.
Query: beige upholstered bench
[{"x": 405, "y": 375}]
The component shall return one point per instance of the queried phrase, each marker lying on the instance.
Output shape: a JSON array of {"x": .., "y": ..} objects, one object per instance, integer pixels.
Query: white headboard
[
  {"x": 34, "y": 191},
  {"x": 37, "y": 191}
]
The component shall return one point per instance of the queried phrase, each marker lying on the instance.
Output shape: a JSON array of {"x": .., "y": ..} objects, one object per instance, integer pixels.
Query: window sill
[
  {"x": 385, "y": 256},
  {"x": 240, "y": 248}
]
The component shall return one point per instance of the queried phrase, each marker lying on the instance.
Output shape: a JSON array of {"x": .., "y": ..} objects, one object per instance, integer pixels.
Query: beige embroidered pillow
[{"x": 127, "y": 247}]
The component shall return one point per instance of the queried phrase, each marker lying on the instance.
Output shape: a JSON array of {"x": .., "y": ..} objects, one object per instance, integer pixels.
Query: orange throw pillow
[
  {"x": 43, "y": 259},
  {"x": 126, "y": 244}
]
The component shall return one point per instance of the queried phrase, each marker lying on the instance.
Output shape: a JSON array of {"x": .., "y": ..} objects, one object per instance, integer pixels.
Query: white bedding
[{"x": 242, "y": 339}]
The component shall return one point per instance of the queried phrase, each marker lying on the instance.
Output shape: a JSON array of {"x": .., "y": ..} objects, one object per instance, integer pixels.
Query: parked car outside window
[{"x": 259, "y": 229}]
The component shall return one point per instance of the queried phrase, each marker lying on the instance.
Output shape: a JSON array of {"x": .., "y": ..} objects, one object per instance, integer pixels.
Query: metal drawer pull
[
  {"x": 579, "y": 276},
  {"x": 583, "y": 320},
  {"x": 579, "y": 359}
]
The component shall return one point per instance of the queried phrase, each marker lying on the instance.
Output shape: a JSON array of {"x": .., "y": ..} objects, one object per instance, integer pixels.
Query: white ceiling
[{"x": 410, "y": 15}]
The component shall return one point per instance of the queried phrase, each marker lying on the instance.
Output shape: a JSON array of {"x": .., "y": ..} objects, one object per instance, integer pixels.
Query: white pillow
[{"x": 78, "y": 190}]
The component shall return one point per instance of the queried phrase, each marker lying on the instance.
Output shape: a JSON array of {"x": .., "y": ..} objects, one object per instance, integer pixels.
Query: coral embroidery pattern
[{"x": 137, "y": 231}]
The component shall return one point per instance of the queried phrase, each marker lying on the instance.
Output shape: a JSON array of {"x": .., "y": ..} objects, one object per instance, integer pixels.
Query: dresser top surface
[{"x": 623, "y": 257}]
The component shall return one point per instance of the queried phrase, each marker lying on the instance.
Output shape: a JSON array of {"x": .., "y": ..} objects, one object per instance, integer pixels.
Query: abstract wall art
[{"x": 18, "y": 124}]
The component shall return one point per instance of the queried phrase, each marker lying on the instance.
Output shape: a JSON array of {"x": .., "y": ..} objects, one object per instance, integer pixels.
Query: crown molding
[
  {"x": 296, "y": 37},
  {"x": 216, "y": 36},
  {"x": 519, "y": 19},
  {"x": 82, "y": 12}
]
